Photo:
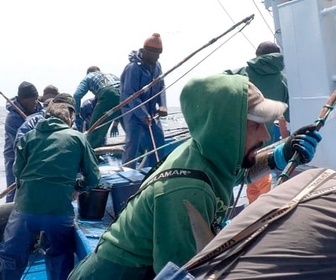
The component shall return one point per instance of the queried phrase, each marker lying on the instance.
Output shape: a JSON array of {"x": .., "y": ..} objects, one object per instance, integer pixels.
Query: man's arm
[
  {"x": 28, "y": 125},
  {"x": 89, "y": 167},
  {"x": 81, "y": 90},
  {"x": 303, "y": 141}
]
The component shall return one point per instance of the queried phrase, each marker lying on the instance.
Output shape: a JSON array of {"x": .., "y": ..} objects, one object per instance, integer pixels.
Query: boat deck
[
  {"x": 87, "y": 236},
  {"x": 88, "y": 232}
]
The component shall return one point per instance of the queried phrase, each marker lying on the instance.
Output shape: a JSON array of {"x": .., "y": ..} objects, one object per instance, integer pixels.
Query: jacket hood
[
  {"x": 133, "y": 56},
  {"x": 51, "y": 124},
  {"x": 215, "y": 109},
  {"x": 267, "y": 64}
]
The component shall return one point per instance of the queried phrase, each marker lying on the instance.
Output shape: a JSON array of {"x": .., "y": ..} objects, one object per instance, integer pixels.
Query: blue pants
[
  {"x": 138, "y": 136},
  {"x": 19, "y": 237}
]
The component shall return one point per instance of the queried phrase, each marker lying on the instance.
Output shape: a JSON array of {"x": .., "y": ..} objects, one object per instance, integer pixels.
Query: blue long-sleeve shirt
[
  {"x": 94, "y": 82},
  {"x": 29, "y": 124},
  {"x": 13, "y": 121}
]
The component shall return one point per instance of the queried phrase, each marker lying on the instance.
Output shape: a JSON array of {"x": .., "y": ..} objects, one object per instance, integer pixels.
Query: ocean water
[{"x": 171, "y": 124}]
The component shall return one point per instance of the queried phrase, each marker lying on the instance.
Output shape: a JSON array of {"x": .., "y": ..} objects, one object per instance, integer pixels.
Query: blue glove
[
  {"x": 303, "y": 141},
  {"x": 79, "y": 123},
  {"x": 114, "y": 131}
]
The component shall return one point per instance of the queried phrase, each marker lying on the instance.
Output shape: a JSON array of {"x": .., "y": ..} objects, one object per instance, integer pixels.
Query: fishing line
[
  {"x": 248, "y": 40},
  {"x": 174, "y": 82},
  {"x": 159, "y": 148},
  {"x": 107, "y": 114},
  {"x": 270, "y": 29}
]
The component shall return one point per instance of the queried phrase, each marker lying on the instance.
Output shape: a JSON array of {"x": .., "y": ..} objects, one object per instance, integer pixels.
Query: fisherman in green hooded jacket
[
  {"x": 48, "y": 159},
  {"x": 226, "y": 116},
  {"x": 265, "y": 71}
]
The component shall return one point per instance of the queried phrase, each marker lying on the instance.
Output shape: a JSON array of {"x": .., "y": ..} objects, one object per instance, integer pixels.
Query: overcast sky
[{"x": 55, "y": 41}]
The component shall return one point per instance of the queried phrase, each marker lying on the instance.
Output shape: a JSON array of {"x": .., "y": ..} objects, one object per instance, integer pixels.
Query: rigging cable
[
  {"x": 108, "y": 122},
  {"x": 174, "y": 82},
  {"x": 234, "y": 23},
  {"x": 246, "y": 21},
  {"x": 262, "y": 16}
]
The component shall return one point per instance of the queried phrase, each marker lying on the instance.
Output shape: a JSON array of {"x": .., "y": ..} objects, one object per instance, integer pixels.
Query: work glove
[
  {"x": 79, "y": 186},
  {"x": 162, "y": 111},
  {"x": 79, "y": 123},
  {"x": 148, "y": 120},
  {"x": 303, "y": 141},
  {"x": 114, "y": 131}
]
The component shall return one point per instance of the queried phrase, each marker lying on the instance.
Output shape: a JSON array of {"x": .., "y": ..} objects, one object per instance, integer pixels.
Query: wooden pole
[{"x": 23, "y": 115}]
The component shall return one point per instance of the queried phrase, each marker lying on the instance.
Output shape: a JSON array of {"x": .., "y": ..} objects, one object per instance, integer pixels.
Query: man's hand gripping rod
[{"x": 293, "y": 162}]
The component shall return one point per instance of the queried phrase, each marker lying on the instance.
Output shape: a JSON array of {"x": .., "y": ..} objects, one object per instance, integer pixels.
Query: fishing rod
[
  {"x": 246, "y": 21},
  {"x": 153, "y": 142},
  {"x": 9, "y": 189},
  {"x": 155, "y": 95},
  {"x": 104, "y": 150},
  {"x": 98, "y": 151},
  {"x": 23, "y": 115},
  {"x": 159, "y": 148},
  {"x": 294, "y": 161},
  {"x": 185, "y": 131}
]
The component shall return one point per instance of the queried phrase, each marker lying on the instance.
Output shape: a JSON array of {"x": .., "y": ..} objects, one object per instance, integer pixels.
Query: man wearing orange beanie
[{"x": 142, "y": 129}]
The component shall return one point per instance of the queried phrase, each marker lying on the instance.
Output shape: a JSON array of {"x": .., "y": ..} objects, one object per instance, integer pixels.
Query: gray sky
[{"x": 55, "y": 41}]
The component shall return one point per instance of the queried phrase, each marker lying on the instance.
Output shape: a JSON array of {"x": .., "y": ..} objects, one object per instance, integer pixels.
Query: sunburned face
[{"x": 256, "y": 135}]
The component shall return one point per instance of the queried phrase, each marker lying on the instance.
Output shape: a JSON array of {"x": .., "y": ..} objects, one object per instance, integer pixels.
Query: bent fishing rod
[
  {"x": 171, "y": 135},
  {"x": 97, "y": 151},
  {"x": 11, "y": 187},
  {"x": 184, "y": 138},
  {"x": 23, "y": 115},
  {"x": 294, "y": 161},
  {"x": 155, "y": 95},
  {"x": 245, "y": 21}
]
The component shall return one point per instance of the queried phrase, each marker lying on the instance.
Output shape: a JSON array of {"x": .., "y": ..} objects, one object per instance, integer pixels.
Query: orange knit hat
[{"x": 153, "y": 44}]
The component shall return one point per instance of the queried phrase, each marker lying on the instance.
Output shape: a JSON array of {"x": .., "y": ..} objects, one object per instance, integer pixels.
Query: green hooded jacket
[
  {"x": 48, "y": 159},
  {"x": 265, "y": 72},
  {"x": 154, "y": 227}
]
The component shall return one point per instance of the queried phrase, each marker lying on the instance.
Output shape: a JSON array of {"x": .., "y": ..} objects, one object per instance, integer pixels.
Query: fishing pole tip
[{"x": 249, "y": 19}]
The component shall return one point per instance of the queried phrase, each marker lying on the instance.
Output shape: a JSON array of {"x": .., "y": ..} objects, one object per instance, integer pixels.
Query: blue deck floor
[{"x": 36, "y": 269}]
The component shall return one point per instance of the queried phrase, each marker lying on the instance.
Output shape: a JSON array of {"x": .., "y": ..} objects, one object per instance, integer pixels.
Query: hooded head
[
  {"x": 216, "y": 109},
  {"x": 267, "y": 48}
]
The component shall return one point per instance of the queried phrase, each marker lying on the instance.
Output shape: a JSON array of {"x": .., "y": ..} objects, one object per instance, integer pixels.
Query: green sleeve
[
  {"x": 90, "y": 167},
  {"x": 173, "y": 239}
]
